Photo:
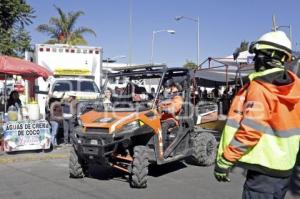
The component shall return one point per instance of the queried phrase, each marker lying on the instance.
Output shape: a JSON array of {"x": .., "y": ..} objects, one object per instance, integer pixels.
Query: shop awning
[{"x": 16, "y": 66}]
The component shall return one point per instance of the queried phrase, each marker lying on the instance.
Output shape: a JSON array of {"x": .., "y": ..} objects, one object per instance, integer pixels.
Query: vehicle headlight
[{"x": 131, "y": 126}]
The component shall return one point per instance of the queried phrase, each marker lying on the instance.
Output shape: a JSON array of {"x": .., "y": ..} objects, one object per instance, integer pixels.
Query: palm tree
[{"x": 62, "y": 29}]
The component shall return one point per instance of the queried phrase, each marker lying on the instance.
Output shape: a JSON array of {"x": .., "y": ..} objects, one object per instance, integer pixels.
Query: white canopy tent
[
  {"x": 226, "y": 69},
  {"x": 244, "y": 58}
]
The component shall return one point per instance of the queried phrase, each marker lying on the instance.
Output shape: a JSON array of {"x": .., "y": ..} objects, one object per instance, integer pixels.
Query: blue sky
[{"x": 223, "y": 25}]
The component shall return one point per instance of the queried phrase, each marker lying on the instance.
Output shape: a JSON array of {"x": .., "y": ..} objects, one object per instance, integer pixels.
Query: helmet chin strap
[
  {"x": 275, "y": 63},
  {"x": 264, "y": 62}
]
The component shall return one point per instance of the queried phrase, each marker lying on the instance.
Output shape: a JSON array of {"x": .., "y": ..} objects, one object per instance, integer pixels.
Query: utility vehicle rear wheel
[
  {"x": 139, "y": 170},
  {"x": 204, "y": 149},
  {"x": 76, "y": 167}
]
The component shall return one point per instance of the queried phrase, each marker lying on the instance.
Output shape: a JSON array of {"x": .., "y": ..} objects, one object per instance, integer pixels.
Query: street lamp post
[
  {"x": 290, "y": 30},
  {"x": 198, "y": 32},
  {"x": 130, "y": 34},
  {"x": 275, "y": 27},
  {"x": 153, "y": 38}
]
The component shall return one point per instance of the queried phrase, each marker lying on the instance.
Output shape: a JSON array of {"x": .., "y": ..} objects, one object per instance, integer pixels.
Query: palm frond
[
  {"x": 45, "y": 28},
  {"x": 61, "y": 13},
  {"x": 55, "y": 21},
  {"x": 61, "y": 29},
  {"x": 72, "y": 18},
  {"x": 52, "y": 41},
  {"x": 82, "y": 30},
  {"x": 78, "y": 41}
]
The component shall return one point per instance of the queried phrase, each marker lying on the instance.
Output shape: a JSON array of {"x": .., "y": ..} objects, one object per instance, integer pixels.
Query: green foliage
[
  {"x": 15, "y": 13},
  {"x": 14, "y": 42},
  {"x": 190, "y": 65},
  {"x": 62, "y": 29},
  {"x": 244, "y": 46},
  {"x": 14, "y": 16}
]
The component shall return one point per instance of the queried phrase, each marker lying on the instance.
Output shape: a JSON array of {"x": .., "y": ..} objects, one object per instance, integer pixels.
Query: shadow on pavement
[
  {"x": 108, "y": 173},
  {"x": 105, "y": 173},
  {"x": 159, "y": 170}
]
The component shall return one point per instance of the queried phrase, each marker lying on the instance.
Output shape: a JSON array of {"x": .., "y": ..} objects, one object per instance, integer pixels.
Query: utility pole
[
  {"x": 197, "y": 20},
  {"x": 130, "y": 35},
  {"x": 275, "y": 27}
]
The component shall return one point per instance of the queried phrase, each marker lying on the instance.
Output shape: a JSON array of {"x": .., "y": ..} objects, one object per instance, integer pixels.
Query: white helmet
[{"x": 276, "y": 41}]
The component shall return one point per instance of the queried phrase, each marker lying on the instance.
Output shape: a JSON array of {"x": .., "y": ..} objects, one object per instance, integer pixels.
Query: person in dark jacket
[
  {"x": 14, "y": 100},
  {"x": 69, "y": 114}
]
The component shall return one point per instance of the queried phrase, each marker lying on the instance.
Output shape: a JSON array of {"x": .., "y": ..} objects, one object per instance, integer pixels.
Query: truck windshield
[{"x": 75, "y": 85}]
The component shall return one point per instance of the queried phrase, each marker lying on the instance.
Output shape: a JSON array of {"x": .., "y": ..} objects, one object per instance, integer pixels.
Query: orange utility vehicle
[{"x": 129, "y": 135}]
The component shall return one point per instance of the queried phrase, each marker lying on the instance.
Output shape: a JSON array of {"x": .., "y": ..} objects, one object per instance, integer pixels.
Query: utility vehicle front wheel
[
  {"x": 76, "y": 167},
  {"x": 139, "y": 168}
]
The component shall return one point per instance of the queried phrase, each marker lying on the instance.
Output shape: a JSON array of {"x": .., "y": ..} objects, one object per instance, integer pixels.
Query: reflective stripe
[
  {"x": 268, "y": 130},
  {"x": 227, "y": 136},
  {"x": 273, "y": 152},
  {"x": 232, "y": 123},
  {"x": 223, "y": 163},
  {"x": 263, "y": 73},
  {"x": 239, "y": 145},
  {"x": 271, "y": 45},
  {"x": 253, "y": 124}
]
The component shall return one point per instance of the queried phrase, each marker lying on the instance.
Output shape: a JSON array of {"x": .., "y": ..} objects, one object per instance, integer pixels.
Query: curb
[{"x": 7, "y": 159}]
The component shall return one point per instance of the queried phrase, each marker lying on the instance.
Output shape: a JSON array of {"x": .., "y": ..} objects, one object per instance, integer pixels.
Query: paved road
[{"x": 49, "y": 179}]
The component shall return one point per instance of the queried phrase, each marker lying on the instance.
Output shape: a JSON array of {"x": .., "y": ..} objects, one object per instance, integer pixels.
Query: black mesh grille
[{"x": 97, "y": 130}]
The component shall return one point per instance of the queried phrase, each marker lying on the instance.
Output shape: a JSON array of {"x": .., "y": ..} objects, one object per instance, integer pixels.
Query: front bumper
[{"x": 96, "y": 146}]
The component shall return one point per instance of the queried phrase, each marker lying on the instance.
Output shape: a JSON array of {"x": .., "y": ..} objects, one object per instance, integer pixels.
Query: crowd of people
[
  {"x": 223, "y": 99},
  {"x": 62, "y": 113}
]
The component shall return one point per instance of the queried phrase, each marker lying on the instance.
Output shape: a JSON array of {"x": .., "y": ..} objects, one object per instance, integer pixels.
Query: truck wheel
[
  {"x": 204, "y": 149},
  {"x": 139, "y": 170},
  {"x": 76, "y": 167}
]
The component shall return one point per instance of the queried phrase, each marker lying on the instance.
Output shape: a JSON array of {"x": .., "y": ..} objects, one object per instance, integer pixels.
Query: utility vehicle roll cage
[{"x": 151, "y": 72}]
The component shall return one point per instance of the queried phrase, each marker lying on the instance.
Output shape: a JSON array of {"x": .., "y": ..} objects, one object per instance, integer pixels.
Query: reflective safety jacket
[
  {"x": 262, "y": 132},
  {"x": 171, "y": 107}
]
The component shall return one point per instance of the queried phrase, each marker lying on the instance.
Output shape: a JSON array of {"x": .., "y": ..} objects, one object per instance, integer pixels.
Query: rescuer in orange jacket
[
  {"x": 171, "y": 107},
  {"x": 262, "y": 132}
]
